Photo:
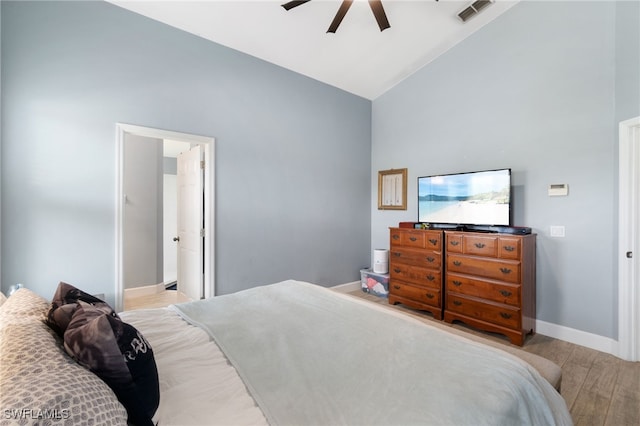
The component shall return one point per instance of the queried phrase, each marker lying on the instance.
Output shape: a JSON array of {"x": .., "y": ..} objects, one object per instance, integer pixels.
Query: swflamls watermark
[{"x": 36, "y": 414}]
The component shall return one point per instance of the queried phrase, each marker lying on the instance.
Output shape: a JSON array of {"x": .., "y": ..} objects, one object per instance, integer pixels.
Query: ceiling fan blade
[
  {"x": 292, "y": 4},
  {"x": 378, "y": 12},
  {"x": 344, "y": 7}
]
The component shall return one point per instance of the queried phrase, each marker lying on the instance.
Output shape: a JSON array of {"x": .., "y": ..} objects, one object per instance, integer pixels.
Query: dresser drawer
[
  {"x": 416, "y": 238},
  {"x": 454, "y": 243},
  {"x": 484, "y": 289},
  {"x": 420, "y": 257},
  {"x": 428, "y": 296},
  {"x": 494, "y": 313},
  {"x": 480, "y": 245},
  {"x": 487, "y": 245},
  {"x": 416, "y": 275},
  {"x": 509, "y": 248},
  {"x": 503, "y": 270},
  {"x": 408, "y": 238}
]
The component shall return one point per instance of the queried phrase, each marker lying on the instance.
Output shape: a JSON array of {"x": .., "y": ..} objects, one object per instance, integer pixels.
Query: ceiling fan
[{"x": 376, "y": 7}]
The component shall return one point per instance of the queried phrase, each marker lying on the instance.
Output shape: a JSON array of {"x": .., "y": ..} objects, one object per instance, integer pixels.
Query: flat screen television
[{"x": 473, "y": 198}]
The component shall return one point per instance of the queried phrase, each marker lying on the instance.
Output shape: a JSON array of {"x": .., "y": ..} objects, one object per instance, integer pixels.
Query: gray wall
[
  {"x": 292, "y": 154},
  {"x": 627, "y": 60},
  {"x": 143, "y": 211},
  {"x": 539, "y": 90}
]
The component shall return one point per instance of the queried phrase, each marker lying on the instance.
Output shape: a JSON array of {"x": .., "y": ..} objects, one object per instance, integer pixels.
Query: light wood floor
[
  {"x": 599, "y": 388},
  {"x": 158, "y": 300}
]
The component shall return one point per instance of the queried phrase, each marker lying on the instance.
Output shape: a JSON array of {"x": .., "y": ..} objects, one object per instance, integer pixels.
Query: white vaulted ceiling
[{"x": 358, "y": 58}]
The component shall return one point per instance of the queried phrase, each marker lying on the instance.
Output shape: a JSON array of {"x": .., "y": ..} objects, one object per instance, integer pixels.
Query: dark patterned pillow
[
  {"x": 117, "y": 353},
  {"x": 64, "y": 304}
]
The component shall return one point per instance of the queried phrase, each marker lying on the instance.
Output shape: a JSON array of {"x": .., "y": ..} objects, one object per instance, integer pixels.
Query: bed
[{"x": 289, "y": 353}]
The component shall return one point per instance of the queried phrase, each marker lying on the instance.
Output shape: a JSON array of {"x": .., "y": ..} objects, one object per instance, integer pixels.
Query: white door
[
  {"x": 629, "y": 241},
  {"x": 190, "y": 223}
]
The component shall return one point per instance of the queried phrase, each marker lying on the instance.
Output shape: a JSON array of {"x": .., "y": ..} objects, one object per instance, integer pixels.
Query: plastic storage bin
[{"x": 374, "y": 283}]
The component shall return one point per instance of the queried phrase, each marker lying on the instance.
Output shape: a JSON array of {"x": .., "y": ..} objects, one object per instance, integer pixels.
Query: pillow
[
  {"x": 22, "y": 305},
  {"x": 3, "y": 298},
  {"x": 64, "y": 304},
  {"x": 117, "y": 353},
  {"x": 36, "y": 374}
]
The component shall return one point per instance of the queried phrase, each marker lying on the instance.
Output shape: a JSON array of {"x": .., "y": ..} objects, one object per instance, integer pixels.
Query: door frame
[
  {"x": 629, "y": 240},
  {"x": 209, "y": 202}
]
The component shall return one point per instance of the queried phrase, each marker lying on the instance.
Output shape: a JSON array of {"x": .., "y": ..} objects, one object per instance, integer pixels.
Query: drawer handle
[
  {"x": 413, "y": 238},
  {"x": 505, "y": 270},
  {"x": 397, "y": 270},
  {"x": 479, "y": 245},
  {"x": 454, "y": 243},
  {"x": 429, "y": 295},
  {"x": 505, "y": 315},
  {"x": 457, "y": 302},
  {"x": 456, "y": 283},
  {"x": 397, "y": 254},
  {"x": 431, "y": 277},
  {"x": 457, "y": 262},
  {"x": 433, "y": 241},
  {"x": 505, "y": 293},
  {"x": 509, "y": 248},
  {"x": 396, "y": 237},
  {"x": 397, "y": 287},
  {"x": 431, "y": 259}
]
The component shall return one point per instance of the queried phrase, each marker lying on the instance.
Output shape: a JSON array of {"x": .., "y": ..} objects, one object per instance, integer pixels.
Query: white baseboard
[
  {"x": 146, "y": 290},
  {"x": 578, "y": 337},
  {"x": 347, "y": 287}
]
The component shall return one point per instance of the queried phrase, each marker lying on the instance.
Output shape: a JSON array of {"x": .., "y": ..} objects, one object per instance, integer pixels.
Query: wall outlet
[{"x": 556, "y": 231}]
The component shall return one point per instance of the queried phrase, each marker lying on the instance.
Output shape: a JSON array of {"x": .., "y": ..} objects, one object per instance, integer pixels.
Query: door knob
[
  {"x": 629, "y": 254},
  {"x": 176, "y": 238}
]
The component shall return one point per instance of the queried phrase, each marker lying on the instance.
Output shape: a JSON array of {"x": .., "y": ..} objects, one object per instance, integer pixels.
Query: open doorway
[{"x": 147, "y": 168}]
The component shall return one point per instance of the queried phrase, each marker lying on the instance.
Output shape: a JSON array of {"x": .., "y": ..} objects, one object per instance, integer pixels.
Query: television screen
[{"x": 475, "y": 198}]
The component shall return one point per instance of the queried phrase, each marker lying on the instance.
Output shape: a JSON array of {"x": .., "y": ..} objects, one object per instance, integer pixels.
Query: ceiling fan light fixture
[{"x": 376, "y": 8}]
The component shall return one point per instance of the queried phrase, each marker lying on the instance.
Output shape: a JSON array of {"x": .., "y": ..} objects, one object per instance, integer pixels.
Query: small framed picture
[{"x": 392, "y": 189}]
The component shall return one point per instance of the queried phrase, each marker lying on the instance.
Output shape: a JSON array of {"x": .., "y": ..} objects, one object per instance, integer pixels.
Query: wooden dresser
[
  {"x": 490, "y": 282},
  {"x": 415, "y": 269}
]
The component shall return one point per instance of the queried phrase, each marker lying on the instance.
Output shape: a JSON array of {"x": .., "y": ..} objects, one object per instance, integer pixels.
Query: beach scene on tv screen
[{"x": 471, "y": 198}]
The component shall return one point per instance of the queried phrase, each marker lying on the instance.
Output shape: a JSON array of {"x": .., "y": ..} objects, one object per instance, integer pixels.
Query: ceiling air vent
[{"x": 473, "y": 9}]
